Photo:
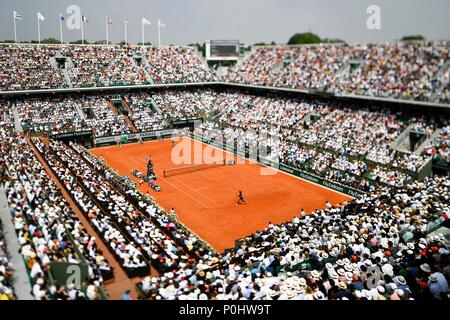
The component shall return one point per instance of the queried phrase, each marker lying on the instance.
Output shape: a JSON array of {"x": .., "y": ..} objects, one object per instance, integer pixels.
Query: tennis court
[{"x": 205, "y": 200}]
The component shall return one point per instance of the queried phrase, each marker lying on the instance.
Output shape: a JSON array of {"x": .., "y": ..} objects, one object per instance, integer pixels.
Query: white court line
[
  {"x": 135, "y": 162},
  {"x": 193, "y": 190},
  {"x": 181, "y": 190}
]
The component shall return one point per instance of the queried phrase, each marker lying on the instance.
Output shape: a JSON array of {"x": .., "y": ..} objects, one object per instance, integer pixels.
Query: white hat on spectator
[
  {"x": 401, "y": 280},
  {"x": 342, "y": 285},
  {"x": 381, "y": 289}
]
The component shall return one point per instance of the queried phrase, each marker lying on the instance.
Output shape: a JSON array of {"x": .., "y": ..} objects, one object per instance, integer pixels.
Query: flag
[
  {"x": 85, "y": 19},
  {"x": 17, "y": 16},
  {"x": 145, "y": 22},
  {"x": 40, "y": 16},
  {"x": 61, "y": 17},
  {"x": 108, "y": 20},
  {"x": 161, "y": 24}
]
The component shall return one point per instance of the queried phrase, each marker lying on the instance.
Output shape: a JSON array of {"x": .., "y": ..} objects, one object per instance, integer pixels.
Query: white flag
[
  {"x": 17, "y": 16},
  {"x": 40, "y": 16},
  {"x": 161, "y": 24},
  {"x": 145, "y": 22}
]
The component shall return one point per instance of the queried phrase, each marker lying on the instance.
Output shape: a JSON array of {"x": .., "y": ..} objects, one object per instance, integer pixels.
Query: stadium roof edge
[{"x": 228, "y": 84}]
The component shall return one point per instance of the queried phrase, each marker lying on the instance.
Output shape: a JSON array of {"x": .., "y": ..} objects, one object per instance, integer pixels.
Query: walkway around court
[
  {"x": 116, "y": 287},
  {"x": 21, "y": 281}
]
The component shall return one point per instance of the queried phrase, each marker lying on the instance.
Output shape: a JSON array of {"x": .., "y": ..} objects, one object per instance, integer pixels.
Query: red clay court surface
[{"x": 205, "y": 200}]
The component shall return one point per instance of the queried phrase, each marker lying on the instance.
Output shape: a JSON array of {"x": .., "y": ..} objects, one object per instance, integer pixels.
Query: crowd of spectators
[
  {"x": 104, "y": 65},
  {"x": 155, "y": 111},
  {"x": 291, "y": 126},
  {"x": 403, "y": 70},
  {"x": 27, "y": 67},
  {"x": 105, "y": 122},
  {"x": 389, "y": 176},
  {"x": 6, "y": 271},
  {"x": 411, "y": 162},
  {"x": 440, "y": 146},
  {"x": 375, "y": 247},
  {"x": 444, "y": 97},
  {"x": 298, "y": 128},
  {"x": 144, "y": 116},
  {"x": 131, "y": 227},
  {"x": 74, "y": 113},
  {"x": 48, "y": 231},
  {"x": 50, "y": 116},
  {"x": 299, "y": 67},
  {"x": 372, "y": 248},
  {"x": 6, "y": 115},
  {"x": 185, "y": 104},
  {"x": 175, "y": 65},
  {"x": 397, "y": 70},
  {"x": 30, "y": 67}
]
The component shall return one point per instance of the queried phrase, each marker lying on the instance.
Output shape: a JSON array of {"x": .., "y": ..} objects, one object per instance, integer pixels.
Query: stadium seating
[
  {"x": 30, "y": 67},
  {"x": 399, "y": 70},
  {"x": 382, "y": 245},
  {"x": 43, "y": 221},
  {"x": 330, "y": 254},
  {"x": 392, "y": 70},
  {"x": 6, "y": 271},
  {"x": 337, "y": 134}
]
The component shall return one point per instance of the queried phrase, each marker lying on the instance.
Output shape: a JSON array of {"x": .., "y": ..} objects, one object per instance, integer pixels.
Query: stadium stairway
[
  {"x": 244, "y": 57},
  {"x": 130, "y": 124},
  {"x": 80, "y": 112},
  {"x": 401, "y": 143},
  {"x": 112, "y": 108},
  {"x": 21, "y": 281},
  {"x": 155, "y": 106},
  {"x": 127, "y": 106},
  {"x": 67, "y": 78},
  {"x": 443, "y": 70},
  {"x": 201, "y": 57},
  {"x": 428, "y": 141},
  {"x": 145, "y": 66},
  {"x": 445, "y": 232},
  {"x": 117, "y": 286},
  {"x": 17, "y": 124},
  {"x": 127, "y": 118}
]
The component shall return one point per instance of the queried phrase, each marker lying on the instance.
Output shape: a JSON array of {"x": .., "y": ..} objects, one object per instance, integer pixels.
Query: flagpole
[
  {"x": 126, "y": 31},
  {"x": 39, "y": 29},
  {"x": 143, "y": 34},
  {"x": 60, "y": 28},
  {"x": 159, "y": 33},
  {"x": 82, "y": 31},
  {"x": 15, "y": 29},
  {"x": 107, "y": 35}
]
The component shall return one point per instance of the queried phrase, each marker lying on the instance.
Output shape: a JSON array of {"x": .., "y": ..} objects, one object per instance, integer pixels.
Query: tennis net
[{"x": 188, "y": 169}]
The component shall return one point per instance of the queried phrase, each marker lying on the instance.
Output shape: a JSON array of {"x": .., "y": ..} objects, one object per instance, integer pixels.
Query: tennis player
[{"x": 240, "y": 199}]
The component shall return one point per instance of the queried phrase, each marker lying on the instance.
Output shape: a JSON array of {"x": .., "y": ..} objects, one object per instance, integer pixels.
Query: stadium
[{"x": 292, "y": 171}]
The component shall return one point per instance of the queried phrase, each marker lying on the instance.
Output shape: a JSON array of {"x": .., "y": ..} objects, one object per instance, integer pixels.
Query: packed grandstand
[{"x": 386, "y": 244}]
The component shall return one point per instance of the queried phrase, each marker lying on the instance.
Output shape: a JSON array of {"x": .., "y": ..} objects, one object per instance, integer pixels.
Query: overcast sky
[{"x": 250, "y": 21}]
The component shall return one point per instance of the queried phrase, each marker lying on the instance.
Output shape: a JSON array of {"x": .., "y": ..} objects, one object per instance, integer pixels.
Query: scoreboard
[{"x": 223, "y": 50}]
